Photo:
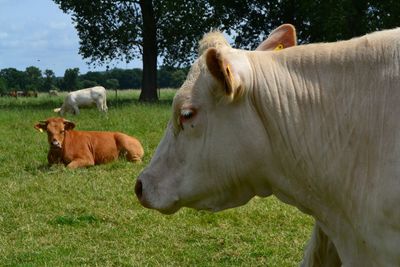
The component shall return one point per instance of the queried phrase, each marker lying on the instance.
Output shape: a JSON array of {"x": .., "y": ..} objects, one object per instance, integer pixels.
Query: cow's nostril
[{"x": 138, "y": 189}]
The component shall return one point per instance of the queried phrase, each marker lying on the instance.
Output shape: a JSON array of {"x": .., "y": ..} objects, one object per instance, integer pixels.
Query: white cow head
[{"x": 213, "y": 155}]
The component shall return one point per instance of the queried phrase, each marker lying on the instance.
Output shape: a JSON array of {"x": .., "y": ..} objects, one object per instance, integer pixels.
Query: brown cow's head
[{"x": 55, "y": 128}]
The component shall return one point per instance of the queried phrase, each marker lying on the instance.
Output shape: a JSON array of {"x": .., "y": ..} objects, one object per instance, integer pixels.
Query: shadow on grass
[{"x": 44, "y": 168}]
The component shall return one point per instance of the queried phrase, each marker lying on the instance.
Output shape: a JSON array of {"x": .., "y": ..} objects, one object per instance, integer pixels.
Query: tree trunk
[{"x": 149, "y": 79}]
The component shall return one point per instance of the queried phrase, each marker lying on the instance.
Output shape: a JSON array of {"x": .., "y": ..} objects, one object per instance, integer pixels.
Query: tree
[
  {"x": 329, "y": 20},
  {"x": 34, "y": 78},
  {"x": 126, "y": 78},
  {"x": 49, "y": 80},
  {"x": 177, "y": 78},
  {"x": 15, "y": 79},
  {"x": 164, "y": 76},
  {"x": 168, "y": 29},
  {"x": 112, "y": 84},
  {"x": 93, "y": 76},
  {"x": 171, "y": 77},
  {"x": 70, "y": 81},
  {"x": 87, "y": 83},
  {"x": 3, "y": 86}
]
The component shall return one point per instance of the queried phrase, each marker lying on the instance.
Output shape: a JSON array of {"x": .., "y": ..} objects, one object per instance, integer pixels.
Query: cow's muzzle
[
  {"x": 139, "y": 194},
  {"x": 56, "y": 144},
  {"x": 146, "y": 196},
  {"x": 139, "y": 189}
]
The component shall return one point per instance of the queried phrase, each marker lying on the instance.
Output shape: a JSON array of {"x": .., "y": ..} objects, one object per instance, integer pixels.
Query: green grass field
[{"x": 91, "y": 217}]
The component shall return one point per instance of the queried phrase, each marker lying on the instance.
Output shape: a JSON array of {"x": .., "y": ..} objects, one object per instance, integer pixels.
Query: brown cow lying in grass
[{"x": 86, "y": 148}]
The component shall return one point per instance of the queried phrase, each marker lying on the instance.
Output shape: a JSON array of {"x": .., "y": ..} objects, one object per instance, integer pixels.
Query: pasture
[{"x": 91, "y": 217}]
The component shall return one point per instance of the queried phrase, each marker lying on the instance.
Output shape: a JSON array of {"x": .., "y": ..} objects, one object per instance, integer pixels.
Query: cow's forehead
[
  {"x": 55, "y": 123},
  {"x": 185, "y": 93}
]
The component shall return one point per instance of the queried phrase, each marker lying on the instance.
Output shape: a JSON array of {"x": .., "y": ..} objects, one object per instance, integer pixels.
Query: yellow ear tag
[
  {"x": 278, "y": 47},
  {"x": 228, "y": 70},
  {"x": 41, "y": 130}
]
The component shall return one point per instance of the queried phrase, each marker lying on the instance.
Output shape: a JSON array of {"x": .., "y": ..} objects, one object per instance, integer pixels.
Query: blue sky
[{"x": 38, "y": 33}]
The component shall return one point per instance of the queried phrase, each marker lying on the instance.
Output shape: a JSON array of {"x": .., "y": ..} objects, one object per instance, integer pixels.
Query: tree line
[
  {"x": 170, "y": 29},
  {"x": 34, "y": 79}
]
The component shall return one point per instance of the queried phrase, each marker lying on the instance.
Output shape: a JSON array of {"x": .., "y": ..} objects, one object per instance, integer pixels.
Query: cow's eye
[
  {"x": 62, "y": 131},
  {"x": 186, "y": 114}
]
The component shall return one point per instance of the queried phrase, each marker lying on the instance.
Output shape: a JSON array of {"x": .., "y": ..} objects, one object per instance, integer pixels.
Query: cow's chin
[
  {"x": 210, "y": 204},
  {"x": 219, "y": 202},
  {"x": 173, "y": 210},
  {"x": 206, "y": 205},
  {"x": 56, "y": 146},
  {"x": 167, "y": 207},
  {"x": 168, "y": 211}
]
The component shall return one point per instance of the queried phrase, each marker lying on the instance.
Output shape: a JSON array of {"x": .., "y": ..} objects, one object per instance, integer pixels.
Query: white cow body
[
  {"x": 84, "y": 97},
  {"x": 316, "y": 125}
]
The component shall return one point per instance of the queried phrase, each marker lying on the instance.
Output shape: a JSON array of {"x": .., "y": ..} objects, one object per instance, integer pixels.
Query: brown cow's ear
[
  {"x": 222, "y": 70},
  {"x": 41, "y": 126},
  {"x": 282, "y": 37},
  {"x": 69, "y": 125}
]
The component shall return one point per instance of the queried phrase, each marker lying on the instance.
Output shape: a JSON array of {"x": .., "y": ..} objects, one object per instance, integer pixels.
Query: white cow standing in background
[
  {"x": 316, "y": 125},
  {"x": 84, "y": 97}
]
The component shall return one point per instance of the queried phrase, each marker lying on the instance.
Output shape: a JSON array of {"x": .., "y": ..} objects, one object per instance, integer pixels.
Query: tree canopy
[
  {"x": 315, "y": 21},
  {"x": 70, "y": 81},
  {"x": 169, "y": 29},
  {"x": 128, "y": 29}
]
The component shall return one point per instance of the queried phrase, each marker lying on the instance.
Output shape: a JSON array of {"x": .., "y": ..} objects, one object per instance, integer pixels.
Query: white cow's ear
[
  {"x": 223, "y": 70},
  {"x": 282, "y": 37}
]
